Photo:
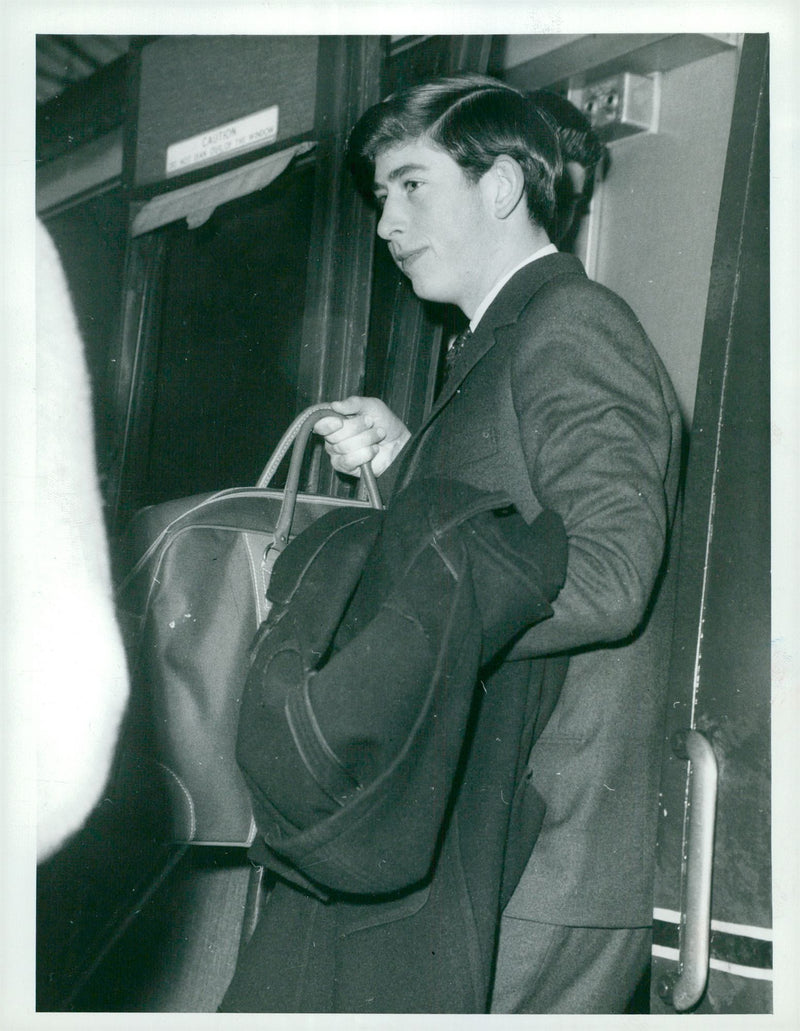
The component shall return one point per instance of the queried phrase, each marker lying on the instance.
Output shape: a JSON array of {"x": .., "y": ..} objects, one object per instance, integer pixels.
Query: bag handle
[{"x": 296, "y": 436}]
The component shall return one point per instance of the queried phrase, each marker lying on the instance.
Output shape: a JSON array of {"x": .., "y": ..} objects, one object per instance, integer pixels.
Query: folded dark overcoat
[{"x": 384, "y": 742}]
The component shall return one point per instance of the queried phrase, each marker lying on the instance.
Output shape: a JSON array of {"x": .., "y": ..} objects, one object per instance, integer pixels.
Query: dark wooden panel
[
  {"x": 336, "y": 312},
  {"x": 228, "y": 342},
  {"x": 189, "y": 84}
]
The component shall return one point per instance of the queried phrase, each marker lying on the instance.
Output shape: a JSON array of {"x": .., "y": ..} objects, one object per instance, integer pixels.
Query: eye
[
  {"x": 411, "y": 185},
  {"x": 380, "y": 200}
]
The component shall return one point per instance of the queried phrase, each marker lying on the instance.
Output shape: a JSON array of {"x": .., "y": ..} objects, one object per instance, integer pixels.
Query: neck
[
  {"x": 526, "y": 240},
  {"x": 511, "y": 251}
]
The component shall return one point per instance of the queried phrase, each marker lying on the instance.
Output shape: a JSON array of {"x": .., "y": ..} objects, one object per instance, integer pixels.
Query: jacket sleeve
[{"x": 598, "y": 422}]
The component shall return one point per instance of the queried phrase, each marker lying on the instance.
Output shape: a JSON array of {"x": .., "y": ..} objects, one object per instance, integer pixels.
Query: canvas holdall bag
[{"x": 189, "y": 608}]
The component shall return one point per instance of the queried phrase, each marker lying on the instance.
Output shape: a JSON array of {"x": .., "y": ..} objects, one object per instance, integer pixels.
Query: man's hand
[{"x": 367, "y": 432}]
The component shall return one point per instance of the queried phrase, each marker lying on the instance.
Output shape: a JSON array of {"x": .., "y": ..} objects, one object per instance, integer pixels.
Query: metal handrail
[{"x": 685, "y": 990}]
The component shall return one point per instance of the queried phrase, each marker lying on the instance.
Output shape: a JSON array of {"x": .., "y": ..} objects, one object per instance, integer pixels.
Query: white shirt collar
[{"x": 549, "y": 248}]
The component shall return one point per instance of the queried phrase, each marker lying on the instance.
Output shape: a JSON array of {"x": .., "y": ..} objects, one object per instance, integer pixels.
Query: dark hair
[
  {"x": 579, "y": 143},
  {"x": 474, "y": 119}
]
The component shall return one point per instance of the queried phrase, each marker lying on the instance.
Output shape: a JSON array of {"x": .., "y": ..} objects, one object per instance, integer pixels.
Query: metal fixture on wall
[{"x": 621, "y": 105}]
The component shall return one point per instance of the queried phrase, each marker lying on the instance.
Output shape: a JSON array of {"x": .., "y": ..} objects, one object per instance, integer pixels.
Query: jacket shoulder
[{"x": 580, "y": 294}]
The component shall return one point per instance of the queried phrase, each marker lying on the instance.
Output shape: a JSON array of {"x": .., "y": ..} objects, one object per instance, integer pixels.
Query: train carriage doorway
[{"x": 713, "y": 912}]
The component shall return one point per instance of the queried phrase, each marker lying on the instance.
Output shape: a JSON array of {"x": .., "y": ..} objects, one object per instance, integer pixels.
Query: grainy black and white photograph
[{"x": 400, "y": 585}]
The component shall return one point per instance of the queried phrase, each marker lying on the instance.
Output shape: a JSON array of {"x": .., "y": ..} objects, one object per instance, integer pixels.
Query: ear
[{"x": 505, "y": 185}]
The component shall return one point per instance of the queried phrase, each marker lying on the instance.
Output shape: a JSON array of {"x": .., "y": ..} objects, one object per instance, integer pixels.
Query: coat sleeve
[{"x": 598, "y": 422}]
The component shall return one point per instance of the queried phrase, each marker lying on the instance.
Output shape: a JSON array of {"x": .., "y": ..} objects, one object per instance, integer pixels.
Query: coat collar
[{"x": 504, "y": 311}]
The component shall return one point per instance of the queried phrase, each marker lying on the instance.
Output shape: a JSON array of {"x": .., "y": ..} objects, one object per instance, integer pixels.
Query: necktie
[{"x": 455, "y": 351}]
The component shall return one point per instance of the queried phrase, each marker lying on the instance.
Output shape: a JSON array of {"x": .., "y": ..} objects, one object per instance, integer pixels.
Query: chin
[{"x": 429, "y": 292}]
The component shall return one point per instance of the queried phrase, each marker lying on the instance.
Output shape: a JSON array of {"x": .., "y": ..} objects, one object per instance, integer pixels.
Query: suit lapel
[{"x": 504, "y": 311}]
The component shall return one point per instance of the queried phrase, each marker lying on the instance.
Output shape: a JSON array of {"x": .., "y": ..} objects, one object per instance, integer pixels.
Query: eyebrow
[{"x": 398, "y": 173}]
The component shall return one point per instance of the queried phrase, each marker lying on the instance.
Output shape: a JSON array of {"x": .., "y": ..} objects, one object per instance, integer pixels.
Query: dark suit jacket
[
  {"x": 562, "y": 402},
  {"x": 386, "y": 779}
]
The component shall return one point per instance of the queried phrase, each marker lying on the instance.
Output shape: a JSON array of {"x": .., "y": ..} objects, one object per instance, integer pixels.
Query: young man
[{"x": 557, "y": 398}]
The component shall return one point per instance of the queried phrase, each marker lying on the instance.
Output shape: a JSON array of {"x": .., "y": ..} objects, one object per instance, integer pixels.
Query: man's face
[{"x": 437, "y": 223}]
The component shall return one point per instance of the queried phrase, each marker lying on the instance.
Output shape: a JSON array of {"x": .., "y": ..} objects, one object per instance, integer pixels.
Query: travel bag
[{"x": 189, "y": 608}]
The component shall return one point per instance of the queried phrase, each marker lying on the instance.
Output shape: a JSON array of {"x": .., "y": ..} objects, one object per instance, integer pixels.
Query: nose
[{"x": 389, "y": 222}]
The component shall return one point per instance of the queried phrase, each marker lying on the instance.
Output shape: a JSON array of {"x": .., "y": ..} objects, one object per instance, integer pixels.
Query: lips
[{"x": 406, "y": 258}]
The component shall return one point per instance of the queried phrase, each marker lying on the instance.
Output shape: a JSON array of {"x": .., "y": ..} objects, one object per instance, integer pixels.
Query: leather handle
[
  {"x": 296, "y": 437},
  {"x": 288, "y": 439}
]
